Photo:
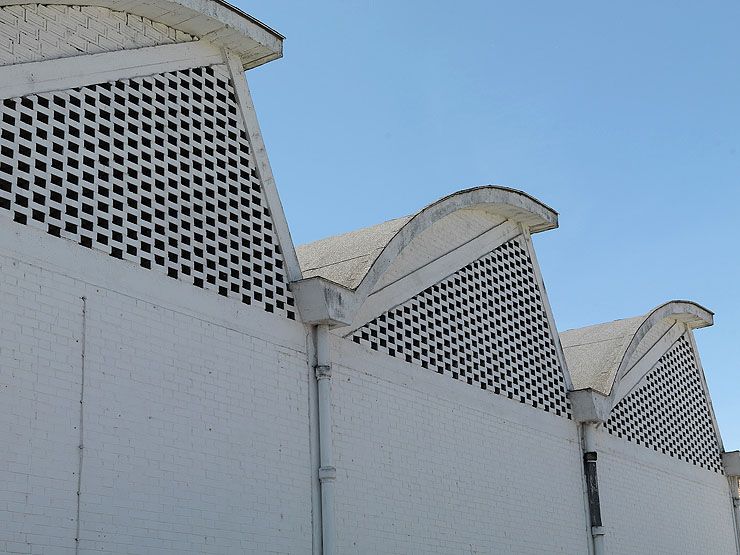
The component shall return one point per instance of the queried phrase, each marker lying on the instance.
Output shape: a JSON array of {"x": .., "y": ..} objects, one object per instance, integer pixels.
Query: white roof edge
[
  {"x": 692, "y": 314},
  {"x": 589, "y": 406},
  {"x": 512, "y": 203},
  {"x": 321, "y": 301},
  {"x": 593, "y": 405},
  {"x": 688, "y": 312},
  {"x": 225, "y": 25}
]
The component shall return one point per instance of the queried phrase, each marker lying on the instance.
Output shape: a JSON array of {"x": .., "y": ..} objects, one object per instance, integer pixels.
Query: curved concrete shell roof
[
  {"x": 597, "y": 356},
  {"x": 356, "y": 260},
  {"x": 345, "y": 259},
  {"x": 221, "y": 23}
]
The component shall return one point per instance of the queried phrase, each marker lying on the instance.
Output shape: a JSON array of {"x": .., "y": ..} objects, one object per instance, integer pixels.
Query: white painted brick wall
[
  {"x": 196, "y": 423},
  {"x": 39, "y": 409},
  {"x": 197, "y": 435},
  {"x": 427, "y": 464},
  {"x": 652, "y": 503}
]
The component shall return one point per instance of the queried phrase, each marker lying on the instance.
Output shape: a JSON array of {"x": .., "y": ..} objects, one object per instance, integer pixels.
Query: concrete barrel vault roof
[
  {"x": 224, "y": 25},
  {"x": 340, "y": 273},
  {"x": 597, "y": 356},
  {"x": 357, "y": 260},
  {"x": 345, "y": 259}
]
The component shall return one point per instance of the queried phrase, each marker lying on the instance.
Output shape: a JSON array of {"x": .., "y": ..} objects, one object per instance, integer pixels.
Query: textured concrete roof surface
[
  {"x": 348, "y": 258},
  {"x": 593, "y": 353},
  {"x": 345, "y": 259}
]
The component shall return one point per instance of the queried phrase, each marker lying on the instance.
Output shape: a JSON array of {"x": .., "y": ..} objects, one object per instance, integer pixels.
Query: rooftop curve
[
  {"x": 599, "y": 356},
  {"x": 356, "y": 260},
  {"x": 221, "y": 23}
]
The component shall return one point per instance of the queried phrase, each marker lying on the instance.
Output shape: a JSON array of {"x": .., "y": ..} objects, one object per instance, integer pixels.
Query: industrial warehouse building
[{"x": 177, "y": 378}]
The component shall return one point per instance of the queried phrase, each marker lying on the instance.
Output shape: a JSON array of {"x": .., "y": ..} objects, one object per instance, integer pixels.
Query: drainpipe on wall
[
  {"x": 327, "y": 471},
  {"x": 735, "y": 484},
  {"x": 313, "y": 442},
  {"x": 731, "y": 466},
  {"x": 590, "y": 411},
  {"x": 590, "y": 456},
  {"x": 323, "y": 304}
]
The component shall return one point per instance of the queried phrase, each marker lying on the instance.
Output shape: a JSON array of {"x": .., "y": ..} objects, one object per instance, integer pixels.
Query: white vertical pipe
[
  {"x": 81, "y": 445},
  {"x": 598, "y": 534},
  {"x": 735, "y": 486},
  {"x": 327, "y": 472},
  {"x": 313, "y": 427},
  {"x": 589, "y": 437}
]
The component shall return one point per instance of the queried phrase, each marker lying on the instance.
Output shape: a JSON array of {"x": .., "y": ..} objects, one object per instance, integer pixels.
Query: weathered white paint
[
  {"x": 527, "y": 232},
  {"x": 80, "y": 71},
  {"x": 427, "y": 464},
  {"x": 589, "y": 406},
  {"x": 195, "y": 422},
  {"x": 428, "y": 274},
  {"x": 259, "y": 153},
  {"x": 327, "y": 470},
  {"x": 510, "y": 203},
  {"x": 705, "y": 387},
  {"x": 204, "y": 427},
  {"x": 223, "y": 24},
  {"x": 652, "y": 503},
  {"x": 635, "y": 373},
  {"x": 691, "y": 314}
]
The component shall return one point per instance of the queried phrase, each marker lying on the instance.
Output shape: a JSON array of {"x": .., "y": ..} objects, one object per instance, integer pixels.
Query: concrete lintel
[
  {"x": 321, "y": 301},
  {"x": 589, "y": 406},
  {"x": 731, "y": 463}
]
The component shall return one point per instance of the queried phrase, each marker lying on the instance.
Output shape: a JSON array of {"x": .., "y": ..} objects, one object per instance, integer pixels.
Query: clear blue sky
[{"x": 624, "y": 117}]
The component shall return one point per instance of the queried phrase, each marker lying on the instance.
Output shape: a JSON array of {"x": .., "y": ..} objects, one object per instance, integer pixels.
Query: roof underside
[{"x": 220, "y": 22}]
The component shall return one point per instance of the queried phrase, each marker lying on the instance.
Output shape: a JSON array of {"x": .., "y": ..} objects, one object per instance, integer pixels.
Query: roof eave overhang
[
  {"x": 321, "y": 301},
  {"x": 589, "y": 406},
  {"x": 692, "y": 314},
  {"x": 515, "y": 205},
  {"x": 224, "y": 25},
  {"x": 688, "y": 312},
  {"x": 731, "y": 463}
]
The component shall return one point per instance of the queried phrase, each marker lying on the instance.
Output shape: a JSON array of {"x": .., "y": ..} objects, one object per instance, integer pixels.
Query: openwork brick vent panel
[
  {"x": 484, "y": 325},
  {"x": 34, "y": 32},
  {"x": 669, "y": 412},
  {"x": 155, "y": 170}
]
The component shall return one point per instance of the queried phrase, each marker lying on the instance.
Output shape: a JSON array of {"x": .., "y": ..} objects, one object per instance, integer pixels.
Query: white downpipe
[
  {"x": 313, "y": 427},
  {"x": 598, "y": 534},
  {"x": 327, "y": 472},
  {"x": 589, "y": 437},
  {"x": 735, "y": 486}
]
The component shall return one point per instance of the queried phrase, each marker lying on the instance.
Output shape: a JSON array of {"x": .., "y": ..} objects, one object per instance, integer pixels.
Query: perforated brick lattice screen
[
  {"x": 668, "y": 411},
  {"x": 34, "y": 32},
  {"x": 155, "y": 170},
  {"x": 484, "y": 325}
]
